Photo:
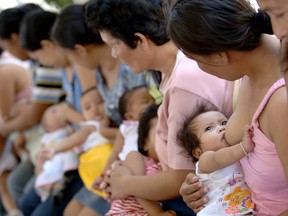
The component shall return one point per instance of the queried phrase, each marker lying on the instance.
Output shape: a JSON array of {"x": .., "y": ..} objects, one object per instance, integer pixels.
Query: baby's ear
[{"x": 197, "y": 152}]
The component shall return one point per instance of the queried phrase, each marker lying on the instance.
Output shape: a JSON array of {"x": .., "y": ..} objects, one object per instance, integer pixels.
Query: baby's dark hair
[
  {"x": 124, "y": 100},
  {"x": 145, "y": 126},
  {"x": 187, "y": 136}
]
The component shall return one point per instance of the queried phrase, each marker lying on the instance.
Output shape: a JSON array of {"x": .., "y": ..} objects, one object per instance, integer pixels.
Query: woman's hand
[
  {"x": 193, "y": 191},
  {"x": 116, "y": 187}
]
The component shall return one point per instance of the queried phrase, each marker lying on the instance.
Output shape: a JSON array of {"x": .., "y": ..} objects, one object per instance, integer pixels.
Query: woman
[
  {"x": 16, "y": 88},
  {"x": 229, "y": 42},
  {"x": 47, "y": 88},
  {"x": 113, "y": 78}
]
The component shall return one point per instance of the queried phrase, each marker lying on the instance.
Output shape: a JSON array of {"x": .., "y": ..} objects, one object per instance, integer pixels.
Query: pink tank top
[{"x": 263, "y": 170}]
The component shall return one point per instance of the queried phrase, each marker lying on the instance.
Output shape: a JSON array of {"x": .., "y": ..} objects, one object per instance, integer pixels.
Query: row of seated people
[{"x": 107, "y": 150}]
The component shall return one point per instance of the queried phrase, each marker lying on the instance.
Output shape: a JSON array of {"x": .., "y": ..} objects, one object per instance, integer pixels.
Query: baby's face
[
  {"x": 150, "y": 141},
  {"x": 210, "y": 130},
  {"x": 92, "y": 106},
  {"x": 52, "y": 120}
]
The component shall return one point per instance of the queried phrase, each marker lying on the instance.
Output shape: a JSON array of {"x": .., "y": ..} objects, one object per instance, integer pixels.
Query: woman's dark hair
[
  {"x": 206, "y": 26},
  {"x": 10, "y": 19},
  {"x": 35, "y": 27},
  {"x": 187, "y": 135},
  {"x": 70, "y": 28},
  {"x": 126, "y": 17},
  {"x": 124, "y": 100},
  {"x": 145, "y": 126}
]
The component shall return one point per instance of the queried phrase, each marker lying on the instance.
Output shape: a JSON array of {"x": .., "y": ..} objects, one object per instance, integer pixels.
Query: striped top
[
  {"x": 130, "y": 206},
  {"x": 47, "y": 84}
]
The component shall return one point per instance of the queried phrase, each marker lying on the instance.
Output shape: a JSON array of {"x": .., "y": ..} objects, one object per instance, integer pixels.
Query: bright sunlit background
[{"x": 12, "y": 3}]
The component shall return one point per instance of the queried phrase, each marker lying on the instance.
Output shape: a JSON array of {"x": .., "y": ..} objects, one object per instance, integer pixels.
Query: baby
[
  {"x": 217, "y": 166},
  {"x": 51, "y": 173}
]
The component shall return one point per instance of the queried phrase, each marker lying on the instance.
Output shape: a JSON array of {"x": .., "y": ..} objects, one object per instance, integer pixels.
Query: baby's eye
[
  {"x": 224, "y": 122},
  {"x": 209, "y": 128}
]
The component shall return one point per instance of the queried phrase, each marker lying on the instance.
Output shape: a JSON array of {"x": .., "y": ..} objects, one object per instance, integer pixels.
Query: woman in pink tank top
[
  {"x": 15, "y": 83},
  {"x": 232, "y": 42}
]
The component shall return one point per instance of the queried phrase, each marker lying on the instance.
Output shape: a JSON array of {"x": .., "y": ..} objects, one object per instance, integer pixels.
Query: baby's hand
[
  {"x": 248, "y": 144},
  {"x": 46, "y": 153},
  {"x": 97, "y": 182},
  {"x": 115, "y": 164}
]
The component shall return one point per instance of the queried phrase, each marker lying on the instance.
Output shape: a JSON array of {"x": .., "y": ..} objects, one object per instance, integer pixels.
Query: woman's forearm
[{"x": 161, "y": 186}]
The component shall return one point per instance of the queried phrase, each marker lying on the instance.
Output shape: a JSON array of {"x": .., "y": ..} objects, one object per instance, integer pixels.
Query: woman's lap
[
  {"x": 93, "y": 201},
  {"x": 179, "y": 206},
  {"x": 19, "y": 177},
  {"x": 31, "y": 205}
]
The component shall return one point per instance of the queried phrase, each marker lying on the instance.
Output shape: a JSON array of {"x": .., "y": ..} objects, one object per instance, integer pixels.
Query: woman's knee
[{"x": 73, "y": 208}]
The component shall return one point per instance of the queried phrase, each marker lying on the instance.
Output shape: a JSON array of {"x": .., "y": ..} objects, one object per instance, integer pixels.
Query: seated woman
[
  {"x": 15, "y": 88},
  {"x": 47, "y": 89}
]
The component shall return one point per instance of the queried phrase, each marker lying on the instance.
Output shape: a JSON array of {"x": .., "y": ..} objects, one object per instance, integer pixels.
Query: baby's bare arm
[
  {"x": 211, "y": 161},
  {"x": 135, "y": 161}
]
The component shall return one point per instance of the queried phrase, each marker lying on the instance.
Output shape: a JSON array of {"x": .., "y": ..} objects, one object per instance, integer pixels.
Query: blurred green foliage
[{"x": 59, "y": 3}]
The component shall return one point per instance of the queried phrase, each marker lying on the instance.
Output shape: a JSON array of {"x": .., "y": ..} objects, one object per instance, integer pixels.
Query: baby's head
[
  {"x": 52, "y": 120},
  {"x": 203, "y": 131},
  {"x": 134, "y": 102},
  {"x": 92, "y": 105},
  {"x": 146, "y": 132}
]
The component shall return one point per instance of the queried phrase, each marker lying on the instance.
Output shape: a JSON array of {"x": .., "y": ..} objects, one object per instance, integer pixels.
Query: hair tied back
[{"x": 264, "y": 23}]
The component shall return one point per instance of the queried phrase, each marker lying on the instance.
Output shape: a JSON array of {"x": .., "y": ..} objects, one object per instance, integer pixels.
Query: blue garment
[
  {"x": 31, "y": 205},
  {"x": 73, "y": 90},
  {"x": 179, "y": 206},
  {"x": 93, "y": 201},
  {"x": 126, "y": 80},
  {"x": 19, "y": 177}
]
